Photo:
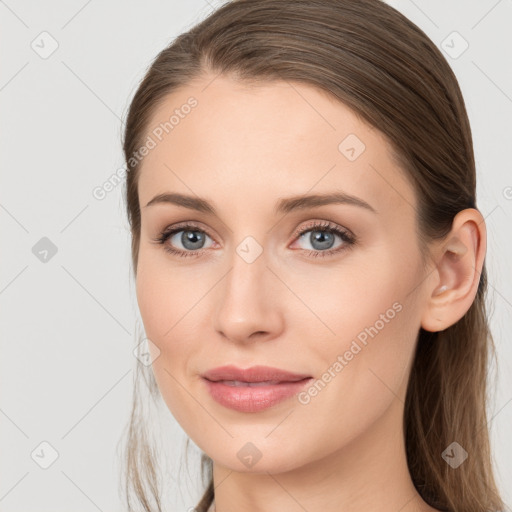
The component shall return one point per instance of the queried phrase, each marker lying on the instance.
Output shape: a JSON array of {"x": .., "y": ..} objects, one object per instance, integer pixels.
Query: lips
[
  {"x": 238, "y": 383},
  {"x": 256, "y": 375},
  {"x": 253, "y": 389}
]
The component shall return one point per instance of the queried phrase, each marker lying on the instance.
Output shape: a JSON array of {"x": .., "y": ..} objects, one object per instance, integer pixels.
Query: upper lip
[{"x": 252, "y": 374}]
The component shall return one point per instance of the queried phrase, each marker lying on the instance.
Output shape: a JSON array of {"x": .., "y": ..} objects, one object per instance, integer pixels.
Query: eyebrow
[{"x": 283, "y": 206}]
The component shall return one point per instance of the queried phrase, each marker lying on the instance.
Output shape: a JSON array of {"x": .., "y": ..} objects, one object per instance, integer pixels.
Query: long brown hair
[{"x": 369, "y": 56}]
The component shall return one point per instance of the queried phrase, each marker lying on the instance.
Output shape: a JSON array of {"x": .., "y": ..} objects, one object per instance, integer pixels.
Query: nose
[{"x": 250, "y": 302}]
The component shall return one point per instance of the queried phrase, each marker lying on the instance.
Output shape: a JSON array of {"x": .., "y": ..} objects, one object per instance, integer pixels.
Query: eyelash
[{"x": 327, "y": 227}]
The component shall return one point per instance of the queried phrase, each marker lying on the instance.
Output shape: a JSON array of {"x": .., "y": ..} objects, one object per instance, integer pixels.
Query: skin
[{"x": 243, "y": 149}]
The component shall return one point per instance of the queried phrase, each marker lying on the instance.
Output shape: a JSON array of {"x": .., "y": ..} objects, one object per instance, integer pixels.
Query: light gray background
[{"x": 68, "y": 325}]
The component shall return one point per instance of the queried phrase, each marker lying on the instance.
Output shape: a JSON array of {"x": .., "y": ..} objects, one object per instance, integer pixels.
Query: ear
[{"x": 459, "y": 261}]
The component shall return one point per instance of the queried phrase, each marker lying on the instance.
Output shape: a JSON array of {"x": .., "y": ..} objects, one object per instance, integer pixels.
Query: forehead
[{"x": 231, "y": 140}]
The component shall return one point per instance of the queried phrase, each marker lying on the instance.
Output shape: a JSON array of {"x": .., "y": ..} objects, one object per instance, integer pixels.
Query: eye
[
  {"x": 192, "y": 238},
  {"x": 322, "y": 237}
]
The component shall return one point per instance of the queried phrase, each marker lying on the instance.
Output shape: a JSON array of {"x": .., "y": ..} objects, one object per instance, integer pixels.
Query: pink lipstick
[{"x": 253, "y": 389}]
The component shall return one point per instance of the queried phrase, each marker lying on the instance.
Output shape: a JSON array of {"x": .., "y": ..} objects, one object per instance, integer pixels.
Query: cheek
[
  {"x": 371, "y": 359},
  {"x": 161, "y": 294},
  {"x": 344, "y": 300},
  {"x": 172, "y": 305},
  {"x": 370, "y": 322},
  {"x": 163, "y": 307},
  {"x": 362, "y": 371},
  {"x": 162, "y": 304}
]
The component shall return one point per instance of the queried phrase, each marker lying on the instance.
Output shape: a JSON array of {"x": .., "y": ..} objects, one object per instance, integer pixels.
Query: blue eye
[
  {"x": 192, "y": 238},
  {"x": 323, "y": 235}
]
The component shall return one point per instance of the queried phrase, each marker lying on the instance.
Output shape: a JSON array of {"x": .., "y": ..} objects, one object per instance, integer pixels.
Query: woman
[{"x": 309, "y": 263}]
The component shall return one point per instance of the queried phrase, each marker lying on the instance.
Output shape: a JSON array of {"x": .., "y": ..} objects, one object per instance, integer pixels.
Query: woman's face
[{"x": 245, "y": 288}]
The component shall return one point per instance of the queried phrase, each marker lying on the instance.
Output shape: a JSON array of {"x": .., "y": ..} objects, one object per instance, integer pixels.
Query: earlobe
[{"x": 459, "y": 265}]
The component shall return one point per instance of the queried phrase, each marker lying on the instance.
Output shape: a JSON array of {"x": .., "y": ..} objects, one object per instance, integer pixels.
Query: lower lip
[{"x": 255, "y": 398}]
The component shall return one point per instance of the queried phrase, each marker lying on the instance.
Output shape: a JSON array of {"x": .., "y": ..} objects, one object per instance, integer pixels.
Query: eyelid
[
  {"x": 322, "y": 225},
  {"x": 182, "y": 226}
]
